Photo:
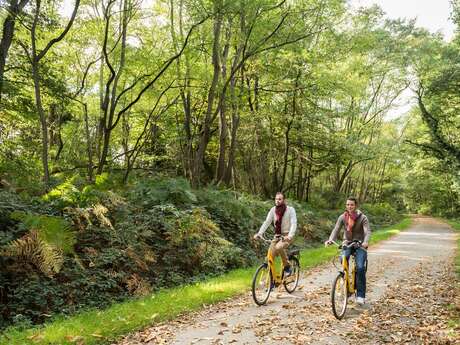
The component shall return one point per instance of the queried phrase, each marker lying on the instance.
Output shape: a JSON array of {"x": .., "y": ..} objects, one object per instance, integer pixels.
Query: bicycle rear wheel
[
  {"x": 261, "y": 284},
  {"x": 339, "y": 296},
  {"x": 290, "y": 283}
]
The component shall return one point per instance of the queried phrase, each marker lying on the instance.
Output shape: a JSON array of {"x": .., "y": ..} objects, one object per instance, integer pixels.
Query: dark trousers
[{"x": 361, "y": 258}]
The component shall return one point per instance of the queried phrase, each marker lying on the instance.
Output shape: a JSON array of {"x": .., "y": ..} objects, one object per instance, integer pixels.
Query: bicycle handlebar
[
  {"x": 266, "y": 240},
  {"x": 353, "y": 244}
]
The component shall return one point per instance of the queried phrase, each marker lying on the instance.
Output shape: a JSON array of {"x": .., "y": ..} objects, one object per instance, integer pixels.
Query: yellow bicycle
[
  {"x": 266, "y": 277},
  {"x": 344, "y": 285}
]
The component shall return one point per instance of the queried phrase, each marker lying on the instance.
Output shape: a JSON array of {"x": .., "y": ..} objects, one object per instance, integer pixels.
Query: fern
[
  {"x": 48, "y": 239},
  {"x": 100, "y": 212},
  {"x": 31, "y": 248},
  {"x": 53, "y": 230}
]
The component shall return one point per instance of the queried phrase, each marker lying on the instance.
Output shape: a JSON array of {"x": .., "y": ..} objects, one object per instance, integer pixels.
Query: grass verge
[
  {"x": 455, "y": 321},
  {"x": 103, "y": 326},
  {"x": 455, "y": 224}
]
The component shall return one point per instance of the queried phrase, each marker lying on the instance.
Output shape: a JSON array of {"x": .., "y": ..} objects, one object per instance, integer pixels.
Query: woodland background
[{"x": 141, "y": 142}]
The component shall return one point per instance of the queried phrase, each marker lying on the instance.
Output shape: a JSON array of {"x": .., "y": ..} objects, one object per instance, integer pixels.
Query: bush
[
  {"x": 380, "y": 214},
  {"x": 238, "y": 217},
  {"x": 151, "y": 192}
]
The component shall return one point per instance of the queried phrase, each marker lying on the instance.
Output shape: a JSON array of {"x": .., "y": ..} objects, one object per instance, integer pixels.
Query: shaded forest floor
[{"x": 413, "y": 297}]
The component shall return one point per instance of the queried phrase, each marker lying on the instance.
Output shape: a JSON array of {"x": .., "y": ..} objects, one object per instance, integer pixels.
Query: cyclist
[
  {"x": 285, "y": 221},
  {"x": 356, "y": 227}
]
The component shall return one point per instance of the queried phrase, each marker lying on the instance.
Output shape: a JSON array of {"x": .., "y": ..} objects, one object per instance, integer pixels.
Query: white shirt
[{"x": 288, "y": 223}]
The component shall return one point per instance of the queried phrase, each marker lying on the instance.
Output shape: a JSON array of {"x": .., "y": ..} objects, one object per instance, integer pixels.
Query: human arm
[
  {"x": 266, "y": 223},
  {"x": 293, "y": 227},
  {"x": 367, "y": 232},
  {"x": 335, "y": 231}
]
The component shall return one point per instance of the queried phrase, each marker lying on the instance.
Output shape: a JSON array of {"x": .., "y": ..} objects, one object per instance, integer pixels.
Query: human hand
[
  {"x": 256, "y": 236},
  {"x": 327, "y": 243},
  {"x": 365, "y": 245}
]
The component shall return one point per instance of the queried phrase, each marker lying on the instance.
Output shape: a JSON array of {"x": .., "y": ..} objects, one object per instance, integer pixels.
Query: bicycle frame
[
  {"x": 277, "y": 277},
  {"x": 349, "y": 276}
]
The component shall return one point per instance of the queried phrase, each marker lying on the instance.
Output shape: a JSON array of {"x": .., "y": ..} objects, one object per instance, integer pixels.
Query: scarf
[
  {"x": 279, "y": 212},
  {"x": 350, "y": 219}
]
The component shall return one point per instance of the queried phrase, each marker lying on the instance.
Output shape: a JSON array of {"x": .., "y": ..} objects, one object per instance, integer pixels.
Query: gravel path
[{"x": 411, "y": 296}]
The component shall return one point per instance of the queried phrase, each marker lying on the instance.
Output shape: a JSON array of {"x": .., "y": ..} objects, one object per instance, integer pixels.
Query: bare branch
[{"x": 62, "y": 35}]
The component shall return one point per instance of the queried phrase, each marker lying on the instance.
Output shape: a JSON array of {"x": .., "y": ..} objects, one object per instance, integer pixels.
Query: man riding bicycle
[
  {"x": 357, "y": 228},
  {"x": 285, "y": 221}
]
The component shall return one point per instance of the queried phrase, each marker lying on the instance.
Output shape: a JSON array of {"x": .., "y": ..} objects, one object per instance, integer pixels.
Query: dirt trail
[{"x": 410, "y": 284}]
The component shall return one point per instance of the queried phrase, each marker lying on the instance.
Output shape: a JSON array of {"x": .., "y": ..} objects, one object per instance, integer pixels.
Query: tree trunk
[
  {"x": 43, "y": 122},
  {"x": 14, "y": 9},
  {"x": 223, "y": 126},
  {"x": 110, "y": 97},
  {"x": 89, "y": 145},
  {"x": 205, "y": 135}
]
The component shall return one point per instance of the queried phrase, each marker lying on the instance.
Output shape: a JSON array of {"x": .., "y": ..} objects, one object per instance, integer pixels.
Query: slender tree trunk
[
  {"x": 184, "y": 91},
  {"x": 100, "y": 124},
  {"x": 35, "y": 58},
  {"x": 14, "y": 9},
  {"x": 309, "y": 175},
  {"x": 89, "y": 145},
  {"x": 223, "y": 126},
  {"x": 110, "y": 97},
  {"x": 125, "y": 137},
  {"x": 205, "y": 135},
  {"x": 342, "y": 176},
  {"x": 43, "y": 122}
]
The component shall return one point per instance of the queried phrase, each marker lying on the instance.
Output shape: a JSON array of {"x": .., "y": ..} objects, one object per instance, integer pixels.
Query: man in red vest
[{"x": 356, "y": 227}]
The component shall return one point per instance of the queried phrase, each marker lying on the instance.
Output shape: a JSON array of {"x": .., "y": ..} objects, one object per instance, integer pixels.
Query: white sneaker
[{"x": 360, "y": 300}]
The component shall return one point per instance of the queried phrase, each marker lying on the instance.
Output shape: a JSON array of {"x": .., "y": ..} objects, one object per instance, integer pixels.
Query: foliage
[
  {"x": 167, "y": 128},
  {"x": 33, "y": 249},
  {"x": 380, "y": 214},
  {"x": 152, "y": 192},
  {"x": 157, "y": 233},
  {"x": 162, "y": 305},
  {"x": 45, "y": 243}
]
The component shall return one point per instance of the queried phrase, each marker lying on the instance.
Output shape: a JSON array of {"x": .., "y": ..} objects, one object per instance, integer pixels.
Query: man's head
[
  {"x": 279, "y": 199},
  {"x": 352, "y": 204}
]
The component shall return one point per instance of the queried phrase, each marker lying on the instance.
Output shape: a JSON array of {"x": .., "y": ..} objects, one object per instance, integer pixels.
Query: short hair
[
  {"x": 280, "y": 193},
  {"x": 351, "y": 198}
]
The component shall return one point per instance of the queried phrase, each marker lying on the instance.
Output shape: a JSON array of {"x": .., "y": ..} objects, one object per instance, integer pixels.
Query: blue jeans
[{"x": 360, "y": 257}]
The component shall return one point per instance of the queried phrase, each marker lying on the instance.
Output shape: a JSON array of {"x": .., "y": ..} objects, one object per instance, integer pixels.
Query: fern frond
[
  {"x": 100, "y": 212},
  {"x": 51, "y": 259},
  {"x": 31, "y": 248},
  {"x": 55, "y": 231},
  {"x": 24, "y": 247}
]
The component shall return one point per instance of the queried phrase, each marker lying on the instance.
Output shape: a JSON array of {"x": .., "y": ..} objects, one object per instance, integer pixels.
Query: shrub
[
  {"x": 380, "y": 214},
  {"x": 152, "y": 192}
]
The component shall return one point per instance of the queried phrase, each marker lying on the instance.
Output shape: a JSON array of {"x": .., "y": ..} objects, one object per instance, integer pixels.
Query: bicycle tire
[
  {"x": 290, "y": 285},
  {"x": 339, "y": 291},
  {"x": 263, "y": 275}
]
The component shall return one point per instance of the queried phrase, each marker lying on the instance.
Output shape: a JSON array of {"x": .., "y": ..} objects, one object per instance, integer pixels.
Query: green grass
[
  {"x": 455, "y": 224},
  {"x": 455, "y": 322},
  {"x": 101, "y": 326}
]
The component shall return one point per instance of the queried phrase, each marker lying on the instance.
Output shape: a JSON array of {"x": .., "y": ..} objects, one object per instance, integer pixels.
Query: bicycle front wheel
[
  {"x": 339, "y": 296},
  {"x": 291, "y": 282},
  {"x": 261, "y": 284}
]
